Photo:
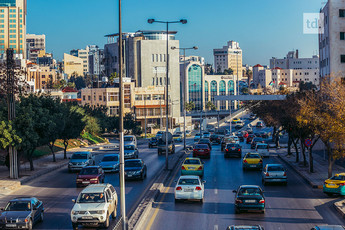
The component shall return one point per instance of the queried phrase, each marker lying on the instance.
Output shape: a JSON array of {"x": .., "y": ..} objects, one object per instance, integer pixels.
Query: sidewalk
[{"x": 42, "y": 166}]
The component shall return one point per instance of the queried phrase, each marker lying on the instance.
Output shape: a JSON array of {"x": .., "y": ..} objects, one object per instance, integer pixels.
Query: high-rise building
[
  {"x": 229, "y": 57},
  {"x": 96, "y": 67},
  {"x": 35, "y": 44},
  {"x": 331, "y": 42},
  {"x": 145, "y": 61},
  {"x": 13, "y": 26}
]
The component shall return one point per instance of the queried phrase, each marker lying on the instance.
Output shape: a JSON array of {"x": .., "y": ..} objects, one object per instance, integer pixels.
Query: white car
[
  {"x": 236, "y": 140},
  {"x": 189, "y": 188},
  {"x": 263, "y": 149},
  {"x": 94, "y": 206}
]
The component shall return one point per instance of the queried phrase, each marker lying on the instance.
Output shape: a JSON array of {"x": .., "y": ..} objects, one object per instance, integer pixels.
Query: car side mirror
[
  {"x": 175, "y": 181},
  {"x": 73, "y": 200},
  {"x": 202, "y": 162},
  {"x": 2, "y": 209},
  {"x": 204, "y": 182},
  {"x": 234, "y": 191}
]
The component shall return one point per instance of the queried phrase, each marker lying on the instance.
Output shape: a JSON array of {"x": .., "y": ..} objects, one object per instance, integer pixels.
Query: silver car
[
  {"x": 274, "y": 173},
  {"x": 328, "y": 227}
]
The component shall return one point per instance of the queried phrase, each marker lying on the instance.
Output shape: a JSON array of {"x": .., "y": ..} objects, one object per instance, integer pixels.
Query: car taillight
[
  {"x": 239, "y": 150},
  {"x": 267, "y": 174},
  {"x": 200, "y": 168},
  {"x": 183, "y": 168},
  {"x": 178, "y": 188},
  {"x": 245, "y": 161},
  {"x": 238, "y": 201},
  {"x": 198, "y": 188},
  {"x": 341, "y": 184},
  {"x": 194, "y": 150},
  {"x": 226, "y": 149},
  {"x": 261, "y": 201},
  {"x": 284, "y": 173},
  {"x": 260, "y": 161}
]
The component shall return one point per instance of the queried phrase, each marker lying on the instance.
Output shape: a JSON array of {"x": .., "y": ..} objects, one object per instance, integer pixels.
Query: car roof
[
  {"x": 82, "y": 152},
  {"x": 133, "y": 160},
  {"x": 110, "y": 155},
  {"x": 330, "y": 227},
  {"x": 261, "y": 144},
  {"x": 254, "y": 153},
  {"x": 95, "y": 188},
  {"x": 192, "y": 158},
  {"x": 249, "y": 186},
  {"x": 130, "y": 145},
  {"x": 275, "y": 165},
  {"x": 189, "y": 177},
  {"x": 245, "y": 227},
  {"x": 129, "y": 136},
  {"x": 23, "y": 199},
  {"x": 91, "y": 167}
]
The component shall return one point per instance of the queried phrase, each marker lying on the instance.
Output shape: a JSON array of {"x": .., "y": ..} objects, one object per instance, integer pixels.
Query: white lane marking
[
  {"x": 216, "y": 227},
  {"x": 215, "y": 191}
]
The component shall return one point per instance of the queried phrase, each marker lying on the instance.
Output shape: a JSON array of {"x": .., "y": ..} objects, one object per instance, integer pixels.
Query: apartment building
[
  {"x": 230, "y": 56},
  {"x": 332, "y": 41},
  {"x": 293, "y": 61},
  {"x": 73, "y": 64},
  {"x": 34, "y": 45}
]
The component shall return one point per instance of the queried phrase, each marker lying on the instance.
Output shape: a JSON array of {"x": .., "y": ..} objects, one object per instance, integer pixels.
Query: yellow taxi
[
  {"x": 252, "y": 161},
  {"x": 335, "y": 185},
  {"x": 235, "y": 120},
  {"x": 192, "y": 166}
]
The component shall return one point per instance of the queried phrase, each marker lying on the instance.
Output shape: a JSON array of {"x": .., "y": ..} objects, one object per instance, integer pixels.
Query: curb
[
  {"x": 338, "y": 208},
  {"x": 313, "y": 185},
  {"x": 146, "y": 204}
]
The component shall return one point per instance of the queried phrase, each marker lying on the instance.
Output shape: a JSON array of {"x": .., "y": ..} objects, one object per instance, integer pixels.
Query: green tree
[
  {"x": 189, "y": 106},
  {"x": 8, "y": 136},
  {"x": 131, "y": 125},
  {"x": 91, "y": 125},
  {"x": 210, "y": 106},
  {"x": 112, "y": 77},
  {"x": 228, "y": 71}
]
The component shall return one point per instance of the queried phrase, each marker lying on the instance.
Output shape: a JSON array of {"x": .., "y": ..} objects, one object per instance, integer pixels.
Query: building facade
[
  {"x": 35, "y": 44},
  {"x": 292, "y": 61},
  {"x": 331, "y": 42},
  {"x": 145, "y": 61},
  {"x": 73, "y": 65},
  {"x": 13, "y": 26},
  {"x": 42, "y": 77},
  {"x": 229, "y": 56}
]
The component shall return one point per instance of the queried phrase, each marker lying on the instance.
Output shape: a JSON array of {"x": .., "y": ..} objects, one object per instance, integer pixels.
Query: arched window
[
  {"x": 194, "y": 86},
  {"x": 222, "y": 92},
  {"x": 231, "y": 88},
  {"x": 206, "y": 92},
  {"x": 213, "y": 91}
]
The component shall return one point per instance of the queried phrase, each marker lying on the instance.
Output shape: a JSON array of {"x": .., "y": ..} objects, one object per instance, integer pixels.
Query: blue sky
[{"x": 263, "y": 28}]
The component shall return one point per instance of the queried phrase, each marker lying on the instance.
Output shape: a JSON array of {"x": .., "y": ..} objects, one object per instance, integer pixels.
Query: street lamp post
[
  {"x": 184, "y": 90},
  {"x": 238, "y": 85},
  {"x": 183, "y": 21}
]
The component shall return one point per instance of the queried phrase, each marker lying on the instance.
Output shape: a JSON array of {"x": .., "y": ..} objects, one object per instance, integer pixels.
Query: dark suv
[
  {"x": 233, "y": 149},
  {"x": 215, "y": 138},
  {"x": 153, "y": 142}
]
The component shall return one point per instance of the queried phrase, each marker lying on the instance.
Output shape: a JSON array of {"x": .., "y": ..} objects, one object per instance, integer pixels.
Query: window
[
  {"x": 341, "y": 13},
  {"x": 342, "y": 35},
  {"x": 89, "y": 98},
  {"x": 1, "y": 16},
  {"x": 100, "y": 97},
  {"x": 12, "y": 26},
  {"x": 12, "y": 41},
  {"x": 342, "y": 58},
  {"x": 153, "y": 58}
]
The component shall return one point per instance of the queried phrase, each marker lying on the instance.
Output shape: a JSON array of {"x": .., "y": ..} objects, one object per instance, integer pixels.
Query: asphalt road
[
  {"x": 296, "y": 206},
  {"x": 57, "y": 189}
]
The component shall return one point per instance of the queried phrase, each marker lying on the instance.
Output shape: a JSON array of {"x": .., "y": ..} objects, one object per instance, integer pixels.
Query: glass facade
[
  {"x": 222, "y": 92},
  {"x": 158, "y": 36},
  {"x": 231, "y": 88},
  {"x": 195, "y": 86},
  {"x": 213, "y": 91},
  {"x": 206, "y": 91},
  {"x": 7, "y": 3}
]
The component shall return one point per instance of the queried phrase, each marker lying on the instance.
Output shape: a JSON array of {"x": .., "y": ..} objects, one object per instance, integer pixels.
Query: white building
[
  {"x": 332, "y": 41},
  {"x": 34, "y": 44},
  {"x": 229, "y": 56},
  {"x": 293, "y": 61}
]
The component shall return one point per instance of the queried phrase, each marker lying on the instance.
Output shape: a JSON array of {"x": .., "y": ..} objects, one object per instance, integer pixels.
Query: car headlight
[
  {"x": 100, "y": 211},
  {"x": 94, "y": 179},
  {"x": 137, "y": 172},
  {"x": 75, "y": 212},
  {"x": 22, "y": 220}
]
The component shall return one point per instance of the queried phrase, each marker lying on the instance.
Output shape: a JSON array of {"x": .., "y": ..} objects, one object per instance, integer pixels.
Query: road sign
[{"x": 308, "y": 142}]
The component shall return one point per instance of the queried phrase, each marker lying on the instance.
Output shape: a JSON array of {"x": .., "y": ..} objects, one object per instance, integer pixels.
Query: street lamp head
[
  {"x": 195, "y": 47},
  {"x": 173, "y": 47},
  {"x": 183, "y": 21},
  {"x": 151, "y": 20}
]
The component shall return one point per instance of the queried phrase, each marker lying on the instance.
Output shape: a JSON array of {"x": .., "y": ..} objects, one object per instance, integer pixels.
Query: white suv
[{"x": 94, "y": 206}]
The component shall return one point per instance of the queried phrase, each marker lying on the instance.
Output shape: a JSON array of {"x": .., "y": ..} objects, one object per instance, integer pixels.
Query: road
[
  {"x": 57, "y": 189},
  {"x": 296, "y": 206}
]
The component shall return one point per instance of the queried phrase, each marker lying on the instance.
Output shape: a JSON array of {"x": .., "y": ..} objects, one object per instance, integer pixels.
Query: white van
[{"x": 130, "y": 140}]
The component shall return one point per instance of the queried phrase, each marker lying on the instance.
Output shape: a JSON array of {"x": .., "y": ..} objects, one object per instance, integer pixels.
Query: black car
[
  {"x": 21, "y": 213},
  {"x": 205, "y": 141},
  {"x": 245, "y": 227},
  {"x": 255, "y": 141},
  {"x": 215, "y": 138},
  {"x": 233, "y": 149},
  {"x": 135, "y": 169},
  {"x": 153, "y": 142}
]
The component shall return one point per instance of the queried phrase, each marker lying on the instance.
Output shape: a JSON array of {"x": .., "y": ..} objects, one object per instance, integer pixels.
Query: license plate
[
  {"x": 253, "y": 166},
  {"x": 331, "y": 184},
  {"x": 191, "y": 168},
  {"x": 87, "y": 217},
  {"x": 233, "y": 148},
  {"x": 275, "y": 180},
  {"x": 129, "y": 175},
  {"x": 11, "y": 225},
  {"x": 188, "y": 190},
  {"x": 201, "y": 151},
  {"x": 250, "y": 201},
  {"x": 86, "y": 182}
]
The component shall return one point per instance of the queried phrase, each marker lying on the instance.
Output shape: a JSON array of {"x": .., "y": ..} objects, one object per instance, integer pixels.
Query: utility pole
[
  {"x": 122, "y": 157},
  {"x": 145, "y": 113},
  {"x": 14, "y": 174}
]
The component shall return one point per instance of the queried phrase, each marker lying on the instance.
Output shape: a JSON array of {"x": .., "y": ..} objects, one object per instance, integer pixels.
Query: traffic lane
[
  {"x": 295, "y": 206},
  {"x": 58, "y": 188}
]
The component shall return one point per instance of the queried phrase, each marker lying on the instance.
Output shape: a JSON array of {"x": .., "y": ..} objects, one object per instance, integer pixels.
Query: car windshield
[
  {"x": 176, "y": 135},
  {"x": 128, "y": 138},
  {"x": 110, "y": 158},
  {"x": 197, "y": 135},
  {"x": 247, "y": 228},
  {"x": 18, "y": 206},
  {"x": 252, "y": 156},
  {"x": 79, "y": 156},
  {"x": 275, "y": 168},
  {"x": 204, "y": 141},
  {"x": 261, "y": 147},
  {"x": 89, "y": 171},
  {"x": 188, "y": 182},
  {"x": 191, "y": 162},
  {"x": 132, "y": 164},
  {"x": 129, "y": 147},
  {"x": 249, "y": 191},
  {"x": 257, "y": 139},
  {"x": 201, "y": 147},
  {"x": 91, "y": 198},
  {"x": 337, "y": 177},
  {"x": 232, "y": 145}
]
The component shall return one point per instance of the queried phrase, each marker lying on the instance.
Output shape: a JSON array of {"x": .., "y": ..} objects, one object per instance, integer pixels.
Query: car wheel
[
  {"x": 102, "y": 180},
  {"x": 263, "y": 182},
  {"x": 237, "y": 211},
  {"x": 177, "y": 200},
  {"x": 202, "y": 200},
  {"x": 113, "y": 214},
  {"x": 263, "y": 211},
  {"x": 145, "y": 174},
  {"x": 106, "y": 223},
  {"x": 30, "y": 225},
  {"x": 41, "y": 217},
  {"x": 75, "y": 226},
  {"x": 329, "y": 194}
]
